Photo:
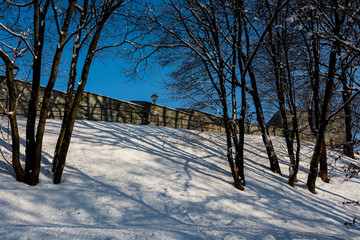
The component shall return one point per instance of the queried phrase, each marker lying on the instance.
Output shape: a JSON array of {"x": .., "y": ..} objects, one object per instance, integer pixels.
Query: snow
[{"x": 125, "y": 181}]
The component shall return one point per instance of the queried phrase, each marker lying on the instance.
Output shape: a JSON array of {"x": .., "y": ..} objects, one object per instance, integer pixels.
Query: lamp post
[
  {"x": 154, "y": 98},
  {"x": 15, "y": 70}
]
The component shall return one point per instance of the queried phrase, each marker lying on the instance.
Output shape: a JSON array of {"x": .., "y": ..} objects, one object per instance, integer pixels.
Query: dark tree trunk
[
  {"x": 339, "y": 19},
  {"x": 15, "y": 138},
  {"x": 229, "y": 154},
  {"x": 314, "y": 163},
  {"x": 230, "y": 129},
  {"x": 294, "y": 167},
  {"x": 323, "y": 163},
  {"x": 238, "y": 52},
  {"x": 15, "y": 145},
  {"x": 240, "y": 150},
  {"x": 64, "y": 125},
  {"x": 295, "y": 126},
  {"x": 274, "y": 163},
  {"x": 320, "y": 138},
  {"x": 60, "y": 163},
  {"x": 293, "y": 174},
  {"x": 32, "y": 172},
  {"x": 348, "y": 145},
  {"x": 280, "y": 81},
  {"x": 33, "y": 154},
  {"x": 71, "y": 86},
  {"x": 53, "y": 76}
]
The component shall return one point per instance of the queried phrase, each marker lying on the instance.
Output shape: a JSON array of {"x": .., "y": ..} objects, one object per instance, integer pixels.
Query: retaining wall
[{"x": 100, "y": 108}]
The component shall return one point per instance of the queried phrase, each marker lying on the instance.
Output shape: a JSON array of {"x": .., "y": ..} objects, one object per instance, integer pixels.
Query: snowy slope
[{"x": 140, "y": 182}]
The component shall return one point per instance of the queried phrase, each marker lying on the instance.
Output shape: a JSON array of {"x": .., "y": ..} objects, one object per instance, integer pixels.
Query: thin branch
[
  {"x": 19, "y": 36},
  {"x": 56, "y": 17},
  {"x": 7, "y": 161},
  {"x": 20, "y": 5},
  {"x": 343, "y": 105},
  {"x": 260, "y": 40}
]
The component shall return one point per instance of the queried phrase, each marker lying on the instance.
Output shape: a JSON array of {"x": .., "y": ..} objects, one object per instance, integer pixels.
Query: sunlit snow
[{"x": 140, "y": 182}]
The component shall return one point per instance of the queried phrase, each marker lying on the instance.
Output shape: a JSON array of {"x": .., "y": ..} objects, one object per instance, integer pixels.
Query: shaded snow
[{"x": 139, "y": 182}]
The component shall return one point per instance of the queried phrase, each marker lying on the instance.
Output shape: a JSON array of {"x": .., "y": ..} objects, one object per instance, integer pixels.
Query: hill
[{"x": 126, "y": 181}]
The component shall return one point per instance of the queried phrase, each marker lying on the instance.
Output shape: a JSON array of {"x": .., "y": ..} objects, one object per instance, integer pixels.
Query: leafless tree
[
  {"x": 277, "y": 67},
  {"x": 210, "y": 47},
  {"x": 55, "y": 18},
  {"x": 325, "y": 25},
  {"x": 100, "y": 16}
]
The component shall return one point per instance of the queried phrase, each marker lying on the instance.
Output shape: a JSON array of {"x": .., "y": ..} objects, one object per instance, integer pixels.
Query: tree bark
[
  {"x": 348, "y": 145},
  {"x": 229, "y": 154},
  {"x": 279, "y": 83},
  {"x": 71, "y": 86},
  {"x": 52, "y": 79},
  {"x": 293, "y": 175},
  {"x": 320, "y": 138},
  {"x": 33, "y": 157},
  {"x": 240, "y": 150},
  {"x": 60, "y": 164},
  {"x": 295, "y": 124},
  {"x": 323, "y": 163},
  {"x": 15, "y": 138},
  {"x": 274, "y": 163}
]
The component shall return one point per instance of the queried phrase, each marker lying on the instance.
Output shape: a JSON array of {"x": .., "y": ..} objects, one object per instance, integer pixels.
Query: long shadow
[
  {"x": 153, "y": 142},
  {"x": 5, "y": 145},
  {"x": 145, "y": 216},
  {"x": 141, "y": 213}
]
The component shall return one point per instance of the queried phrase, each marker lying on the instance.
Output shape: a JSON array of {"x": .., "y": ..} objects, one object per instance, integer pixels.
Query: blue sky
[{"x": 106, "y": 78}]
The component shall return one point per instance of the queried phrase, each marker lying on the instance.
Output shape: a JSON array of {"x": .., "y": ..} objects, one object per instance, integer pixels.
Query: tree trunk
[
  {"x": 230, "y": 134},
  {"x": 293, "y": 175},
  {"x": 53, "y": 76},
  {"x": 348, "y": 145},
  {"x": 63, "y": 128},
  {"x": 15, "y": 138},
  {"x": 320, "y": 138},
  {"x": 60, "y": 163},
  {"x": 274, "y": 163},
  {"x": 279, "y": 83},
  {"x": 240, "y": 147},
  {"x": 59, "y": 168},
  {"x": 239, "y": 52},
  {"x": 229, "y": 155},
  {"x": 323, "y": 163},
  {"x": 295, "y": 125},
  {"x": 33, "y": 155},
  {"x": 71, "y": 86},
  {"x": 314, "y": 163}
]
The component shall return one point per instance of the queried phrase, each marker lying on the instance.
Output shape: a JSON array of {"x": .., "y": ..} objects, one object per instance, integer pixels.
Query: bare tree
[
  {"x": 324, "y": 24},
  {"x": 102, "y": 15},
  {"x": 10, "y": 110},
  {"x": 59, "y": 15},
  {"x": 208, "y": 43},
  {"x": 278, "y": 59},
  {"x": 34, "y": 136}
]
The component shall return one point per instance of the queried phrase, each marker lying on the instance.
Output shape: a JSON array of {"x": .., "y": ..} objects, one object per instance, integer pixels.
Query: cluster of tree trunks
[{"x": 94, "y": 16}]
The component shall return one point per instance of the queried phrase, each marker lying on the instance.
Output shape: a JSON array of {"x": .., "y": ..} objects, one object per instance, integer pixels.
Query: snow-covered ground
[{"x": 139, "y": 182}]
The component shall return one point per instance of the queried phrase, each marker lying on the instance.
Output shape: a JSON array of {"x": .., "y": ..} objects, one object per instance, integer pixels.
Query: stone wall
[
  {"x": 100, "y": 108},
  {"x": 335, "y": 134}
]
